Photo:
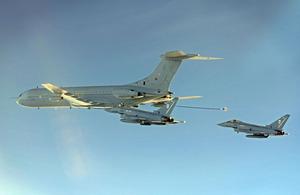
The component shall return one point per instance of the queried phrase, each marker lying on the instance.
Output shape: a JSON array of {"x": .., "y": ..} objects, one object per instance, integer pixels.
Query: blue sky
[{"x": 78, "y": 151}]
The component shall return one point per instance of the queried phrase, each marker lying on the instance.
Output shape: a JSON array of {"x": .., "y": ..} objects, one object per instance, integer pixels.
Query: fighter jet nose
[
  {"x": 224, "y": 124},
  {"x": 221, "y": 124}
]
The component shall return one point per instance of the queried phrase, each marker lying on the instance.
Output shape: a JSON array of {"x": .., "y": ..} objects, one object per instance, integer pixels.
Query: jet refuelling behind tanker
[
  {"x": 161, "y": 116},
  {"x": 257, "y": 131},
  {"x": 121, "y": 99}
]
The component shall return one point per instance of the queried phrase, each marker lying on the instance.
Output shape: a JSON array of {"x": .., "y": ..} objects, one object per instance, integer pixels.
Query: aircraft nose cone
[
  {"x": 21, "y": 98},
  {"x": 222, "y": 124},
  {"x": 19, "y": 101}
]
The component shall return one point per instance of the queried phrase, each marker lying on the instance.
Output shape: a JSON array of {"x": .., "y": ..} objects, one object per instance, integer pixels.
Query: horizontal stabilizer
[
  {"x": 164, "y": 73},
  {"x": 179, "y": 55}
]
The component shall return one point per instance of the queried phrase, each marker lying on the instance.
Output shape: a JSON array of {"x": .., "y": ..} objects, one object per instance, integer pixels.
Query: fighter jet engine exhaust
[{"x": 167, "y": 119}]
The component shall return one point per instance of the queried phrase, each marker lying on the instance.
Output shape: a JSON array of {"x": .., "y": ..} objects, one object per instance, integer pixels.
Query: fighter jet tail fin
[
  {"x": 278, "y": 124},
  {"x": 168, "y": 108}
]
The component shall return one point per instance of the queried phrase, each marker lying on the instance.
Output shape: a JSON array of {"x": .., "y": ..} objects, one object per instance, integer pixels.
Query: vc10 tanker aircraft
[{"x": 152, "y": 89}]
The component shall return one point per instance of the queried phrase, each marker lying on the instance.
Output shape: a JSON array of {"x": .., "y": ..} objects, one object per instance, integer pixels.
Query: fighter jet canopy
[{"x": 234, "y": 121}]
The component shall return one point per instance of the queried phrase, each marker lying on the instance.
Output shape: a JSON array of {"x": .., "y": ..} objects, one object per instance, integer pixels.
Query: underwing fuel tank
[{"x": 257, "y": 136}]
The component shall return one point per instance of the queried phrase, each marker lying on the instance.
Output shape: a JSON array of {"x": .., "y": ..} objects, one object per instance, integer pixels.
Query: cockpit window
[
  {"x": 234, "y": 121},
  {"x": 20, "y": 95}
]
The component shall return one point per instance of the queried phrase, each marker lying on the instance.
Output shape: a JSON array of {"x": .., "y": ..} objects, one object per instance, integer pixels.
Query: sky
[{"x": 81, "y": 43}]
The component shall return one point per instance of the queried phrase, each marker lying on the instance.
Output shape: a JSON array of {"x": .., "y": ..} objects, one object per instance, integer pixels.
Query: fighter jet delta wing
[{"x": 72, "y": 98}]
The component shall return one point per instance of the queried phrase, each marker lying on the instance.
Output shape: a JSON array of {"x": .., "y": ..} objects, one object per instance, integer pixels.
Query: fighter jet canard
[
  {"x": 161, "y": 116},
  {"x": 257, "y": 131},
  {"x": 152, "y": 89}
]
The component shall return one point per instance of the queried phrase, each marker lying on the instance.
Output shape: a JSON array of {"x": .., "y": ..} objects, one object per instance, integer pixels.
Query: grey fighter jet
[
  {"x": 257, "y": 131},
  {"x": 152, "y": 89},
  {"x": 143, "y": 117}
]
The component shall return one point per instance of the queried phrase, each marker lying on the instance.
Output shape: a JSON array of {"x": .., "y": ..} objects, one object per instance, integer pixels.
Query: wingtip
[
  {"x": 212, "y": 58},
  {"x": 45, "y": 84},
  {"x": 189, "y": 97}
]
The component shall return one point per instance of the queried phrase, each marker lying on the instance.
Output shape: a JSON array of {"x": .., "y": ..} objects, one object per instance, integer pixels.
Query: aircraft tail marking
[
  {"x": 278, "y": 124},
  {"x": 164, "y": 73},
  {"x": 168, "y": 108}
]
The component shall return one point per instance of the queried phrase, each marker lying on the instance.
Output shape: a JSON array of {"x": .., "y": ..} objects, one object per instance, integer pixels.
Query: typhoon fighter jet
[
  {"x": 257, "y": 131},
  {"x": 152, "y": 89},
  {"x": 161, "y": 116}
]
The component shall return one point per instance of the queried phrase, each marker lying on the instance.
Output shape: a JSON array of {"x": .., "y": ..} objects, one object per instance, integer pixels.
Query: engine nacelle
[{"x": 127, "y": 94}]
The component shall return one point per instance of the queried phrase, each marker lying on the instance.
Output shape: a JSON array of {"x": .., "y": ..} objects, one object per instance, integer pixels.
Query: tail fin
[
  {"x": 278, "y": 124},
  {"x": 164, "y": 73},
  {"x": 168, "y": 108}
]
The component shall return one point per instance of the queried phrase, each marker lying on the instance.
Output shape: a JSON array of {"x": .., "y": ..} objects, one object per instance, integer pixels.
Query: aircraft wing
[
  {"x": 175, "y": 122},
  {"x": 159, "y": 102},
  {"x": 72, "y": 98},
  {"x": 189, "y": 97}
]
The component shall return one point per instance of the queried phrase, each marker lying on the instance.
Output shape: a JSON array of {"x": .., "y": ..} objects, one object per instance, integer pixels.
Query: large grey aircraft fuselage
[
  {"x": 108, "y": 96},
  {"x": 152, "y": 89}
]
